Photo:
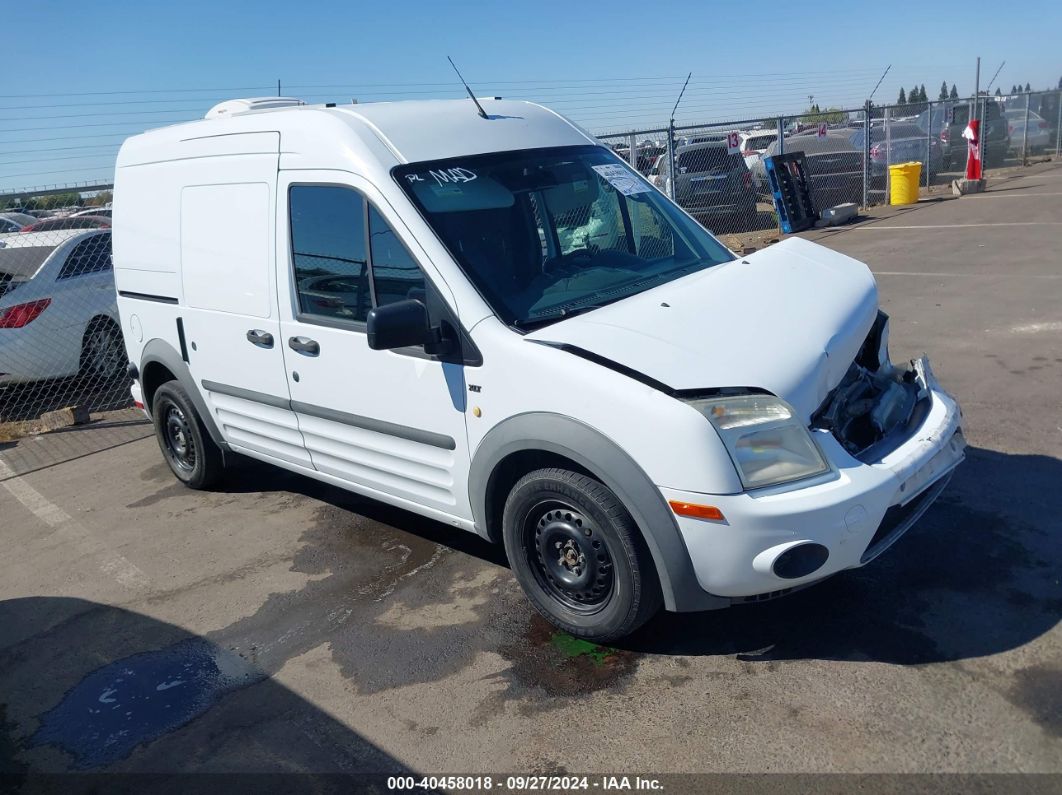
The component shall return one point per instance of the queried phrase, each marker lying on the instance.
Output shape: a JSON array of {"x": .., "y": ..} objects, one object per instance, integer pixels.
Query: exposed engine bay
[{"x": 875, "y": 400}]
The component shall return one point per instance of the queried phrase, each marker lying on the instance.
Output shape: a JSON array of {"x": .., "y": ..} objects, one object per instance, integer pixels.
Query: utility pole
[{"x": 278, "y": 86}]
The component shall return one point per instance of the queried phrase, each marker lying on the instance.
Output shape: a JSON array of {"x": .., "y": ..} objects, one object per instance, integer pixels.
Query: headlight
[{"x": 766, "y": 442}]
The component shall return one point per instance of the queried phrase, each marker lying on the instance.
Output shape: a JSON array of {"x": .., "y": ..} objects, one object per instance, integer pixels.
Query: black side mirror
[{"x": 399, "y": 325}]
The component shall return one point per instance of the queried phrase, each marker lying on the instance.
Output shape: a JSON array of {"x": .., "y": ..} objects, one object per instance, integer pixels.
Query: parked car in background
[
  {"x": 712, "y": 184},
  {"x": 947, "y": 122},
  {"x": 1039, "y": 134},
  {"x": 63, "y": 319},
  {"x": 14, "y": 221},
  {"x": 68, "y": 222},
  {"x": 899, "y": 143},
  {"x": 835, "y": 168},
  {"x": 99, "y": 212},
  {"x": 754, "y": 144}
]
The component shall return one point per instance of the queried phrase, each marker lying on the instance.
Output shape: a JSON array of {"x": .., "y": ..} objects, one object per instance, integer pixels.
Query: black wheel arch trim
[
  {"x": 592, "y": 450},
  {"x": 160, "y": 351}
]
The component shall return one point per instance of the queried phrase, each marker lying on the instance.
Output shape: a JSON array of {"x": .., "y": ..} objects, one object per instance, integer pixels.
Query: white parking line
[
  {"x": 117, "y": 566},
  {"x": 1037, "y": 328},
  {"x": 937, "y": 275},
  {"x": 957, "y": 226},
  {"x": 1009, "y": 195}
]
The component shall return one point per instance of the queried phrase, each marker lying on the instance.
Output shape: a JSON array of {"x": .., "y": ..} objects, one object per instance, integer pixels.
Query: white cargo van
[{"x": 494, "y": 322}]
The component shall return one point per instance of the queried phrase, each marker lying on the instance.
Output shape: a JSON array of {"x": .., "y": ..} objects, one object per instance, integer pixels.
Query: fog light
[{"x": 800, "y": 561}]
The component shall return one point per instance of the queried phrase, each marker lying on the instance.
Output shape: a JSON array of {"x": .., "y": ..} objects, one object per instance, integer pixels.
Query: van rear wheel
[
  {"x": 188, "y": 449},
  {"x": 578, "y": 555}
]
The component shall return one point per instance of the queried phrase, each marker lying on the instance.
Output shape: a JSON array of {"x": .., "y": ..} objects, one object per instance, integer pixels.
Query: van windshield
[{"x": 546, "y": 233}]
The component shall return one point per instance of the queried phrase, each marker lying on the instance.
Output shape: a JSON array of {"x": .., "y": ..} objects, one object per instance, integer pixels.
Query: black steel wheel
[
  {"x": 178, "y": 439},
  {"x": 578, "y": 555},
  {"x": 190, "y": 452},
  {"x": 570, "y": 562}
]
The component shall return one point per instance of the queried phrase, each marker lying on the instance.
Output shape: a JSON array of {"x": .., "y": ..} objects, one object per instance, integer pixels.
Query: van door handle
[
  {"x": 263, "y": 339},
  {"x": 304, "y": 345}
]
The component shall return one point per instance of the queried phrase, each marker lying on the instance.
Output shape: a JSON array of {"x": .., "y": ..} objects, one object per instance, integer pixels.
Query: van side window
[
  {"x": 329, "y": 253},
  {"x": 89, "y": 256},
  {"x": 395, "y": 274}
]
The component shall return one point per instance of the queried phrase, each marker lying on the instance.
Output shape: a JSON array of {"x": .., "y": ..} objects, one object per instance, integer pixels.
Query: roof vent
[{"x": 232, "y": 107}]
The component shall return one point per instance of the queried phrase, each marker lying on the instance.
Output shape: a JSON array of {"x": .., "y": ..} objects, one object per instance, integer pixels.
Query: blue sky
[{"x": 111, "y": 68}]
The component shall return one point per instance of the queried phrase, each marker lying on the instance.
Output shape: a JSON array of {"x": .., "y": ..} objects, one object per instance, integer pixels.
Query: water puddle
[{"x": 138, "y": 699}]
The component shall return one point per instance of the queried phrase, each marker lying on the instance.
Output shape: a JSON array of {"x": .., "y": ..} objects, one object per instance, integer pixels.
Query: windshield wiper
[
  {"x": 561, "y": 314},
  {"x": 564, "y": 313}
]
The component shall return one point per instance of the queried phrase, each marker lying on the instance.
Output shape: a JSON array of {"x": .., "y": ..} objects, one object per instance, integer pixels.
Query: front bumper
[{"x": 855, "y": 512}]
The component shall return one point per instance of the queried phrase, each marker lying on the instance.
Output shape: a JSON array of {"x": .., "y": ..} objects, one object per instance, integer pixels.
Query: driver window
[{"x": 328, "y": 252}]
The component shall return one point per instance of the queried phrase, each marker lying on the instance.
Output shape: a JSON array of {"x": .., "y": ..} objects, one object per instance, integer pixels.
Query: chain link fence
[
  {"x": 62, "y": 359},
  {"x": 716, "y": 171}
]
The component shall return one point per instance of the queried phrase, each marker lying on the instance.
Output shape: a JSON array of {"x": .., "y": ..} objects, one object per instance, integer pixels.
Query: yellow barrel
[{"x": 903, "y": 182}]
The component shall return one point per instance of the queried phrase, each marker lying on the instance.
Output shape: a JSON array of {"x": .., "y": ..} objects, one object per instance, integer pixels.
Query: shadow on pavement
[
  {"x": 90, "y": 687},
  {"x": 976, "y": 576}
]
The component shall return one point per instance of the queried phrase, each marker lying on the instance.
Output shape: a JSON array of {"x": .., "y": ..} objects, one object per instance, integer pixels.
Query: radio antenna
[{"x": 479, "y": 107}]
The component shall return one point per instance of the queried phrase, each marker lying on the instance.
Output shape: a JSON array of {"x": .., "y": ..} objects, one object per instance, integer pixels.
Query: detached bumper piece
[{"x": 791, "y": 189}]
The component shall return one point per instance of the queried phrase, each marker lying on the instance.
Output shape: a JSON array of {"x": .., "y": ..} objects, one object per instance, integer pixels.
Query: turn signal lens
[{"x": 697, "y": 511}]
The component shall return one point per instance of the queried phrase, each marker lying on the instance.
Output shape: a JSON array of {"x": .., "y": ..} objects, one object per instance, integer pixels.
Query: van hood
[{"x": 789, "y": 319}]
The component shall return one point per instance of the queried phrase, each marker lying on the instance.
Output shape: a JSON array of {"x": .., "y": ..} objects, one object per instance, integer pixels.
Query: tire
[
  {"x": 602, "y": 584},
  {"x": 192, "y": 455},
  {"x": 102, "y": 351}
]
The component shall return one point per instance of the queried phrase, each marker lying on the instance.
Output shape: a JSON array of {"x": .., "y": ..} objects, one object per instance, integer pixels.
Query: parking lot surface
[{"x": 279, "y": 624}]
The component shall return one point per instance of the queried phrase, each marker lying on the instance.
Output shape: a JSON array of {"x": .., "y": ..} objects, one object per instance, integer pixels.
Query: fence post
[
  {"x": 781, "y": 135},
  {"x": 929, "y": 141},
  {"x": 633, "y": 153},
  {"x": 866, "y": 154},
  {"x": 981, "y": 114},
  {"x": 1025, "y": 136},
  {"x": 671, "y": 160},
  {"x": 888, "y": 152},
  {"x": 1058, "y": 126}
]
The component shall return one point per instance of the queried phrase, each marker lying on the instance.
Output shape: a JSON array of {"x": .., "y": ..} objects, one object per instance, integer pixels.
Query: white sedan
[
  {"x": 1039, "y": 135},
  {"x": 62, "y": 320}
]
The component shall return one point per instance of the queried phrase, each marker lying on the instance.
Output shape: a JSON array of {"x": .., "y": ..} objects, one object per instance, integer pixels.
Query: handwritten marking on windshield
[{"x": 445, "y": 175}]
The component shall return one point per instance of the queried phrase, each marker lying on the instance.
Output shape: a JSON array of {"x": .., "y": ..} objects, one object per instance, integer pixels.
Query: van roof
[{"x": 413, "y": 131}]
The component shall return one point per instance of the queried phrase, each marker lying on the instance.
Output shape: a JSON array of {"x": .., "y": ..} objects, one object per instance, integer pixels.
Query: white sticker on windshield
[{"x": 622, "y": 180}]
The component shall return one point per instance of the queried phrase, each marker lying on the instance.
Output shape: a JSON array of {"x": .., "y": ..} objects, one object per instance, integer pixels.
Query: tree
[
  {"x": 903, "y": 97},
  {"x": 814, "y": 115},
  {"x": 998, "y": 92},
  {"x": 100, "y": 199},
  {"x": 954, "y": 93},
  {"x": 1013, "y": 89},
  {"x": 943, "y": 91},
  {"x": 1028, "y": 88},
  {"x": 72, "y": 199}
]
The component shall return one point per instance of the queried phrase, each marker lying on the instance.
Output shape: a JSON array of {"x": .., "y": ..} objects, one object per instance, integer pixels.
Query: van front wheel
[
  {"x": 578, "y": 555},
  {"x": 188, "y": 449}
]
